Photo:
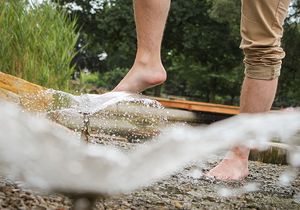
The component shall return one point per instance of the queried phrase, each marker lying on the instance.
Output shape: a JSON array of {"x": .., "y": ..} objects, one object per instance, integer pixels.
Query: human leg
[
  {"x": 256, "y": 96},
  {"x": 147, "y": 70},
  {"x": 261, "y": 30}
]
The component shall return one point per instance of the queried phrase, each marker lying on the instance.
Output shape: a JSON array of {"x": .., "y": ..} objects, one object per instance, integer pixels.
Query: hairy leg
[
  {"x": 147, "y": 70},
  {"x": 256, "y": 96}
]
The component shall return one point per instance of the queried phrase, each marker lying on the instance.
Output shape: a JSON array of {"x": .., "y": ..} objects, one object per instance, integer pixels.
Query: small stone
[
  {"x": 39, "y": 208},
  {"x": 210, "y": 198},
  {"x": 2, "y": 195},
  {"x": 178, "y": 205}
]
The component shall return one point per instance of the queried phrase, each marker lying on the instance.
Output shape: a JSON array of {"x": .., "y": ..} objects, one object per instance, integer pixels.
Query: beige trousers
[{"x": 261, "y": 31}]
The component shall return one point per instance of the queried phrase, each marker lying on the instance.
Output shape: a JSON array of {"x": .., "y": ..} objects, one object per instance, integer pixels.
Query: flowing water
[
  {"x": 121, "y": 113},
  {"x": 46, "y": 156}
]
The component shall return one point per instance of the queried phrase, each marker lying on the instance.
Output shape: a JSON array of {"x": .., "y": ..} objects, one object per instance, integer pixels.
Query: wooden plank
[
  {"x": 277, "y": 153},
  {"x": 17, "y": 85},
  {"x": 199, "y": 106},
  {"x": 26, "y": 94}
]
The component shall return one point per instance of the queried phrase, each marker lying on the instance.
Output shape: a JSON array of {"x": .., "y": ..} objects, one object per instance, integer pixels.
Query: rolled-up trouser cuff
[
  {"x": 261, "y": 31},
  {"x": 262, "y": 72}
]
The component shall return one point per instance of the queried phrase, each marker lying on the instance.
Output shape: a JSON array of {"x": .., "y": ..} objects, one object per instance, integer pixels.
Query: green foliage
[
  {"x": 109, "y": 29},
  {"x": 227, "y": 12},
  {"x": 107, "y": 80},
  {"x": 201, "y": 54},
  {"x": 111, "y": 78},
  {"x": 89, "y": 78},
  {"x": 37, "y": 43},
  {"x": 200, "y": 82},
  {"x": 288, "y": 90}
]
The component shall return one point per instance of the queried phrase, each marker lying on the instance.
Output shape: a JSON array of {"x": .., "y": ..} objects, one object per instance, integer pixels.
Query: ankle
[
  {"x": 153, "y": 72},
  {"x": 241, "y": 153},
  {"x": 152, "y": 62},
  {"x": 147, "y": 58}
]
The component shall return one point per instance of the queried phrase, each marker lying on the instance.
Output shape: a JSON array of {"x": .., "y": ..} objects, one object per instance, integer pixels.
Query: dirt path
[{"x": 181, "y": 191}]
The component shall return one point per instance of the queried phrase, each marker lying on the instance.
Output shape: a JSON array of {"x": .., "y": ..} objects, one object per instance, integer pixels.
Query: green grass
[{"x": 37, "y": 44}]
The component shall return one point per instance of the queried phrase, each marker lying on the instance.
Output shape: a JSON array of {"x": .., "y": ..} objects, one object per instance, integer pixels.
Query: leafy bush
[
  {"x": 37, "y": 43},
  {"x": 111, "y": 78},
  {"x": 89, "y": 78},
  {"x": 107, "y": 80}
]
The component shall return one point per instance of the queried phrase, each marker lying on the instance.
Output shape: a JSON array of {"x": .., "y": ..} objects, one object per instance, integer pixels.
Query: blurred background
[{"x": 89, "y": 45}]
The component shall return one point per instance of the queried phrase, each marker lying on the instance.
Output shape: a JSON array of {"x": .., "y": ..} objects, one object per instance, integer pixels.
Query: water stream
[
  {"x": 44, "y": 155},
  {"x": 121, "y": 113}
]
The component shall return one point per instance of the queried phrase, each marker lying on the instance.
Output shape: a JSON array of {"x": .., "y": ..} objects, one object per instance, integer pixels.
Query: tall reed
[{"x": 37, "y": 43}]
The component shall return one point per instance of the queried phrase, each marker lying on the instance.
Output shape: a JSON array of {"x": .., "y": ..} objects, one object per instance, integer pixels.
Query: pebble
[
  {"x": 178, "y": 191},
  {"x": 178, "y": 205},
  {"x": 2, "y": 195}
]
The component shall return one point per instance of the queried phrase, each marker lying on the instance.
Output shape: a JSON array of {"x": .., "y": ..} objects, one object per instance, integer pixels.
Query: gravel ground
[{"x": 185, "y": 190}]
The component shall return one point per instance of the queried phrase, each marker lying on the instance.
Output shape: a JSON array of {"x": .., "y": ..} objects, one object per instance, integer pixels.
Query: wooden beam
[
  {"x": 24, "y": 93},
  {"x": 199, "y": 106},
  {"x": 17, "y": 85}
]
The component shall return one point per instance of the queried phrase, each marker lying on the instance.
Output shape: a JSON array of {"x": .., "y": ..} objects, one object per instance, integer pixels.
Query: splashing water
[
  {"x": 46, "y": 156},
  {"x": 114, "y": 113},
  {"x": 93, "y": 103}
]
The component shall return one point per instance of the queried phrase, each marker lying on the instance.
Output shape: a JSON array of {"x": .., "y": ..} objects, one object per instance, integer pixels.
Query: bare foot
[
  {"x": 141, "y": 77},
  {"x": 234, "y": 166},
  {"x": 230, "y": 169}
]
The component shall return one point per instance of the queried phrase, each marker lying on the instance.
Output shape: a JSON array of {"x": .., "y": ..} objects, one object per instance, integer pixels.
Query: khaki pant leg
[{"x": 261, "y": 31}]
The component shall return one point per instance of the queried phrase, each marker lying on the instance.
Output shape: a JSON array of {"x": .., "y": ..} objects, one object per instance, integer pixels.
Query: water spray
[
  {"x": 39, "y": 150},
  {"x": 85, "y": 131}
]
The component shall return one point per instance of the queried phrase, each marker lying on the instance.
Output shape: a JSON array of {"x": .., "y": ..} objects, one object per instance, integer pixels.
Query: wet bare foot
[
  {"x": 141, "y": 77},
  {"x": 230, "y": 169}
]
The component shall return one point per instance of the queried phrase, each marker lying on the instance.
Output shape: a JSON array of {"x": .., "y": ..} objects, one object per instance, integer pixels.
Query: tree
[
  {"x": 203, "y": 50},
  {"x": 289, "y": 81},
  {"x": 105, "y": 26}
]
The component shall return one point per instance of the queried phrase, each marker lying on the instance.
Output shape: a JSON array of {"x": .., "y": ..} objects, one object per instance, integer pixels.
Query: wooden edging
[
  {"x": 17, "y": 85},
  {"x": 199, "y": 106}
]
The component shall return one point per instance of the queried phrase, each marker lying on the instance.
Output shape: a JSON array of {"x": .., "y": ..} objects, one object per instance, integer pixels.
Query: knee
[
  {"x": 263, "y": 63},
  {"x": 262, "y": 72},
  {"x": 261, "y": 31}
]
